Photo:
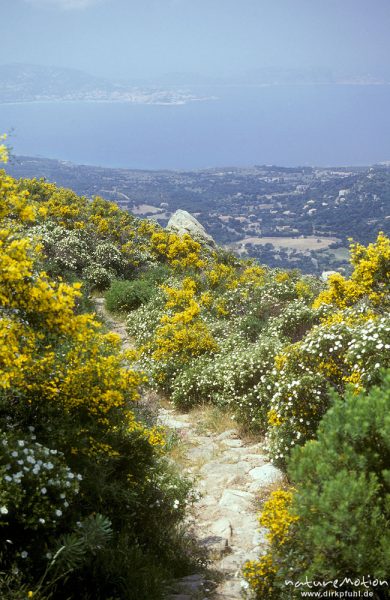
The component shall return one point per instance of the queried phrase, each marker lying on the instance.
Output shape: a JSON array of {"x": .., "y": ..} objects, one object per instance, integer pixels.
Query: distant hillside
[
  {"x": 32, "y": 83},
  {"x": 288, "y": 217}
]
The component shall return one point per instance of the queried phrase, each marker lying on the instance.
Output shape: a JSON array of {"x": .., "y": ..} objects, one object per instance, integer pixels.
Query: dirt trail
[{"x": 230, "y": 474}]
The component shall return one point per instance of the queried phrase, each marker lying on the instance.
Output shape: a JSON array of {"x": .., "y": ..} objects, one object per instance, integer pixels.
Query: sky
[{"x": 132, "y": 39}]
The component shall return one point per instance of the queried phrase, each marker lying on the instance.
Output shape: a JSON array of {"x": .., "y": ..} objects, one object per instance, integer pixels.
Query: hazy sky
[{"x": 146, "y": 38}]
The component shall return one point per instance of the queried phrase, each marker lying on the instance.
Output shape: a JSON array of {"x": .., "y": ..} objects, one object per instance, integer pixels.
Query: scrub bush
[
  {"x": 126, "y": 295},
  {"x": 334, "y": 523}
]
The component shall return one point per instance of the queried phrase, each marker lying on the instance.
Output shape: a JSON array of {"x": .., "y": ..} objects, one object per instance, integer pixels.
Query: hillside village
[{"x": 286, "y": 217}]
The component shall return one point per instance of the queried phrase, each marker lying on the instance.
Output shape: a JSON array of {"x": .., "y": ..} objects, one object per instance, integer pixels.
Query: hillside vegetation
[{"x": 88, "y": 501}]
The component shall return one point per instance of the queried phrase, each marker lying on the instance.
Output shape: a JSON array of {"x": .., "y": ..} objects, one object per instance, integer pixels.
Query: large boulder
[{"x": 182, "y": 222}]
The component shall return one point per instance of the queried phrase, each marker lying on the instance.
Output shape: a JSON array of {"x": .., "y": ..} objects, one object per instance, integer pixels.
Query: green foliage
[
  {"x": 344, "y": 477},
  {"x": 75, "y": 549},
  {"x": 89, "y": 505},
  {"x": 128, "y": 295},
  {"x": 341, "y": 499}
]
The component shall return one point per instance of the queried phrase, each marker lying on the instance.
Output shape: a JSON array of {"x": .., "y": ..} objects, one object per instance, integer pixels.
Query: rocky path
[{"x": 231, "y": 475}]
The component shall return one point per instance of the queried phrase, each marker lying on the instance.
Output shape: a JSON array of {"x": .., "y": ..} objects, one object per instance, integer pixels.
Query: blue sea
[{"x": 282, "y": 125}]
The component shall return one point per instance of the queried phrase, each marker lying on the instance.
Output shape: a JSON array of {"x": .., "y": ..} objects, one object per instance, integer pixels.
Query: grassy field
[{"x": 296, "y": 243}]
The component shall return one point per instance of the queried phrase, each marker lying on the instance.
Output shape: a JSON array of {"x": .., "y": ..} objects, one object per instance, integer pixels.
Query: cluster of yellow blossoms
[
  {"x": 370, "y": 278},
  {"x": 277, "y": 517},
  {"x": 49, "y": 355},
  {"x": 180, "y": 251},
  {"x": 182, "y": 332}
]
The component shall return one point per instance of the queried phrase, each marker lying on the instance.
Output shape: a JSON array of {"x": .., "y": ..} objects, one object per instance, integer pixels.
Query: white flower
[
  {"x": 43, "y": 491},
  {"x": 58, "y": 512},
  {"x": 24, "y": 554},
  {"x": 4, "y": 510}
]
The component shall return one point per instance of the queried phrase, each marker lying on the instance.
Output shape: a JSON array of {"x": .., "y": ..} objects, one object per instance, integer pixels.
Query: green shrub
[
  {"x": 341, "y": 503},
  {"x": 343, "y": 489},
  {"x": 157, "y": 274},
  {"x": 124, "y": 296}
]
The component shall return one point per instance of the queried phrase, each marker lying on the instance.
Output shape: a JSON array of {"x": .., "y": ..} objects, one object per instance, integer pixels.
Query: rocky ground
[{"x": 232, "y": 476}]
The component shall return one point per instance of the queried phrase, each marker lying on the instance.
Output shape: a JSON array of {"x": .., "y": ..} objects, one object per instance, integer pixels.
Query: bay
[{"x": 282, "y": 125}]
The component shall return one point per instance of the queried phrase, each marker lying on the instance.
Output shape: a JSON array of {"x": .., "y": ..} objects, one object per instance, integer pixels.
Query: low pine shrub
[{"x": 334, "y": 524}]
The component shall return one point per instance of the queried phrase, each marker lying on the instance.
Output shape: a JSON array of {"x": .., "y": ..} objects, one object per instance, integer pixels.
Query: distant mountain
[
  {"x": 32, "y": 83},
  {"x": 274, "y": 75}
]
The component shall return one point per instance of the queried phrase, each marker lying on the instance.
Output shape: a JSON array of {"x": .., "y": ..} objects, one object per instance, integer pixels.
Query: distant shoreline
[
  {"x": 184, "y": 101},
  {"x": 112, "y": 101}
]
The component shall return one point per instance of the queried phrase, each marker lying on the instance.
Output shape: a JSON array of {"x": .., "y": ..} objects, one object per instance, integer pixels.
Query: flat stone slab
[
  {"x": 229, "y": 433},
  {"x": 219, "y": 472},
  {"x": 201, "y": 452},
  {"x": 232, "y": 443},
  {"x": 236, "y": 500},
  {"x": 216, "y": 546},
  {"x": 222, "y": 527},
  {"x": 266, "y": 474}
]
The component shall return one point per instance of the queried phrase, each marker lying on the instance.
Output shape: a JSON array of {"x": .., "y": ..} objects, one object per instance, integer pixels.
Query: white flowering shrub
[
  {"x": 108, "y": 256},
  {"x": 36, "y": 493},
  {"x": 229, "y": 378},
  {"x": 66, "y": 250},
  {"x": 143, "y": 321},
  {"x": 296, "y": 319},
  {"x": 72, "y": 252},
  {"x": 330, "y": 356},
  {"x": 98, "y": 277}
]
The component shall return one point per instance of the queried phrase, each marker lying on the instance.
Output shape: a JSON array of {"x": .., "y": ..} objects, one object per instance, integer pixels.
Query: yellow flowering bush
[
  {"x": 180, "y": 251},
  {"x": 3, "y": 149},
  {"x": 75, "y": 454},
  {"x": 278, "y": 518},
  {"x": 370, "y": 277},
  {"x": 181, "y": 335},
  {"x": 259, "y": 576}
]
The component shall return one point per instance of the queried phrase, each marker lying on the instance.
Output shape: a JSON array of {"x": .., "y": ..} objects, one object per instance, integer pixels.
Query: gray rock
[
  {"x": 236, "y": 500},
  {"x": 183, "y": 222},
  {"x": 259, "y": 537},
  {"x": 266, "y": 474},
  {"x": 222, "y": 527},
  {"x": 232, "y": 564},
  {"x": 218, "y": 473},
  {"x": 233, "y": 443},
  {"x": 230, "y": 433},
  {"x": 201, "y": 452}
]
